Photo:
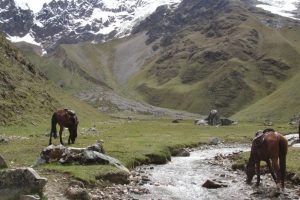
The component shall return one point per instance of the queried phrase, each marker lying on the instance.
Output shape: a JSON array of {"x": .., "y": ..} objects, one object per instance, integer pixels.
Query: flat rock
[
  {"x": 296, "y": 145},
  {"x": 213, "y": 185}
]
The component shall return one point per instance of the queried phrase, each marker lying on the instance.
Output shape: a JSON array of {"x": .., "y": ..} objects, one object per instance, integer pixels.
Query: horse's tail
[
  {"x": 53, "y": 126},
  {"x": 283, "y": 148}
]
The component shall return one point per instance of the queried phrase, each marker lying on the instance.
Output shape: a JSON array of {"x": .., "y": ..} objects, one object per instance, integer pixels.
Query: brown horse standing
[
  {"x": 269, "y": 147},
  {"x": 65, "y": 118}
]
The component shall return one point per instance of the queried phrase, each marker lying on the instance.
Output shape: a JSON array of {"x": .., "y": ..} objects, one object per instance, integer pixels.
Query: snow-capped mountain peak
[
  {"x": 286, "y": 8},
  {"x": 50, "y": 22},
  {"x": 35, "y": 6}
]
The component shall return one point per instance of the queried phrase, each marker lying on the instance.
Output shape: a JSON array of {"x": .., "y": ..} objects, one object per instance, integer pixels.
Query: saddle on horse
[
  {"x": 70, "y": 112},
  {"x": 259, "y": 136}
]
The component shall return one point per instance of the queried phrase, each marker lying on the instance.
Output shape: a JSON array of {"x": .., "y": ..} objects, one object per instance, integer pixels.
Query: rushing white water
[{"x": 182, "y": 178}]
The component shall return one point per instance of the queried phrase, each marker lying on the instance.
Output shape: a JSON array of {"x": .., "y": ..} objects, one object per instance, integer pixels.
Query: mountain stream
[{"x": 182, "y": 178}]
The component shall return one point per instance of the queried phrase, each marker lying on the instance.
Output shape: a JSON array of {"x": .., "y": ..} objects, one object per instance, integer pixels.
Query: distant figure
[
  {"x": 268, "y": 146},
  {"x": 213, "y": 118},
  {"x": 65, "y": 118},
  {"x": 299, "y": 130}
]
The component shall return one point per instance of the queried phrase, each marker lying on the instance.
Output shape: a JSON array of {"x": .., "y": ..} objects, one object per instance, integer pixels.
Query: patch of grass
[{"x": 133, "y": 143}]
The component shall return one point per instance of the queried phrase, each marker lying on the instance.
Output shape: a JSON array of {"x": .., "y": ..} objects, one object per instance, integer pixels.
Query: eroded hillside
[{"x": 23, "y": 88}]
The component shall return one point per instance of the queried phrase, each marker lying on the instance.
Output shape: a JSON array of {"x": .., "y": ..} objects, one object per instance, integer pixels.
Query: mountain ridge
[
  {"x": 203, "y": 55},
  {"x": 69, "y": 22}
]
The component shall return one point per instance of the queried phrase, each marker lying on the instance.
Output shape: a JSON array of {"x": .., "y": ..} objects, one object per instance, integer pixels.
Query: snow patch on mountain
[
  {"x": 34, "y": 5},
  {"x": 286, "y": 8},
  {"x": 27, "y": 38}
]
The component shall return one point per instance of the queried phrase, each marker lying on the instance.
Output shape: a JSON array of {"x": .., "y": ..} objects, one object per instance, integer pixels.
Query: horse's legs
[
  {"x": 271, "y": 170},
  {"x": 257, "y": 167},
  {"x": 276, "y": 168},
  {"x": 50, "y": 140},
  {"x": 69, "y": 139},
  {"x": 61, "y": 128}
]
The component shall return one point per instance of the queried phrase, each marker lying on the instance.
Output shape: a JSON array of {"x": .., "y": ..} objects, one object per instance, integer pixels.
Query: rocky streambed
[{"x": 183, "y": 177}]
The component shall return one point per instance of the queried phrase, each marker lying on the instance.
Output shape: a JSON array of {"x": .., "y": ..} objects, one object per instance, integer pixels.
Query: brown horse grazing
[
  {"x": 268, "y": 146},
  {"x": 65, "y": 118}
]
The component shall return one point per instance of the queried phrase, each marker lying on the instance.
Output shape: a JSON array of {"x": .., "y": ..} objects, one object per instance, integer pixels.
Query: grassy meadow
[{"x": 132, "y": 142}]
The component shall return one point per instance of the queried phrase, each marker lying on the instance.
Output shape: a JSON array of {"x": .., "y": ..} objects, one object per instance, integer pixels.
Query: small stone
[
  {"x": 75, "y": 183},
  {"x": 298, "y": 192},
  {"x": 213, "y": 185},
  {"x": 136, "y": 191},
  {"x": 214, "y": 141},
  {"x": 77, "y": 193}
]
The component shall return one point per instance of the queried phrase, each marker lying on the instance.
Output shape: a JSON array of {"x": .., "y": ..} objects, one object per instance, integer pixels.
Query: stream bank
[{"x": 182, "y": 178}]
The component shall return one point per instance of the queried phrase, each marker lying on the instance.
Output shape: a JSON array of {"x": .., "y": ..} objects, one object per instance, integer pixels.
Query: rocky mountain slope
[
  {"x": 69, "y": 22},
  {"x": 216, "y": 54},
  {"x": 223, "y": 54},
  {"x": 20, "y": 92}
]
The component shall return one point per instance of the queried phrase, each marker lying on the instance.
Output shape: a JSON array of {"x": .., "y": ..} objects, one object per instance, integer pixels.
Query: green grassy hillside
[
  {"x": 27, "y": 97},
  {"x": 281, "y": 105}
]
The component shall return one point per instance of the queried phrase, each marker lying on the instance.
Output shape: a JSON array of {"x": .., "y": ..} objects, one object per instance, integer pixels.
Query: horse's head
[
  {"x": 73, "y": 131},
  {"x": 250, "y": 171}
]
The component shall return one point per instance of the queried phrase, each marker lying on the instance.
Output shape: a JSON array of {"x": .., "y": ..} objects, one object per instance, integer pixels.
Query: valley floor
[{"x": 133, "y": 141}]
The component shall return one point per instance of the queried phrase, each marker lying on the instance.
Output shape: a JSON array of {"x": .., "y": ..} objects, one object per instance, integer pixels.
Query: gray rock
[
  {"x": 90, "y": 155},
  {"x": 213, "y": 118},
  {"x": 2, "y": 163},
  {"x": 180, "y": 153},
  {"x": 214, "y": 141},
  {"x": 213, "y": 185},
  {"x": 77, "y": 193},
  {"x": 296, "y": 145},
  {"x": 16, "y": 182},
  {"x": 3, "y": 140},
  {"x": 292, "y": 138},
  {"x": 29, "y": 197},
  {"x": 76, "y": 183}
]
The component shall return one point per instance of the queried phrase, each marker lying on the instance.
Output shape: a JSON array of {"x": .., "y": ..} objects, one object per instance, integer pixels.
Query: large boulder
[
  {"x": 292, "y": 138},
  {"x": 213, "y": 118},
  {"x": 20, "y": 181},
  {"x": 70, "y": 155}
]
